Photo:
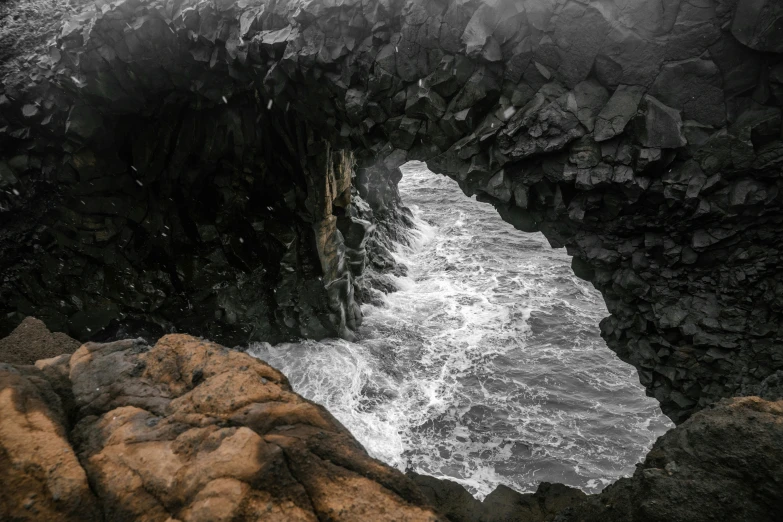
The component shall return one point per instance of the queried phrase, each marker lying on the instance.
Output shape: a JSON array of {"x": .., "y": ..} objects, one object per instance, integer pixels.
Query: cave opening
[
  {"x": 483, "y": 364},
  {"x": 153, "y": 178}
]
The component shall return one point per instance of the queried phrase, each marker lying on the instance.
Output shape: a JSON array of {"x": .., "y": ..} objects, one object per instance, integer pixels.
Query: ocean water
[{"x": 486, "y": 367}]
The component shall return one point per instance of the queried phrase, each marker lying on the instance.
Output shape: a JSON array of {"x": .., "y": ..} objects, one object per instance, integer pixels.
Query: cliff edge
[
  {"x": 189, "y": 430},
  {"x": 182, "y": 430}
]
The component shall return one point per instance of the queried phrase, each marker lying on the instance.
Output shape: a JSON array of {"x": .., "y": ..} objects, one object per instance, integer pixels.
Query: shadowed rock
[
  {"x": 723, "y": 464},
  {"x": 40, "y": 474},
  {"x": 199, "y": 167},
  {"x": 502, "y": 505}
]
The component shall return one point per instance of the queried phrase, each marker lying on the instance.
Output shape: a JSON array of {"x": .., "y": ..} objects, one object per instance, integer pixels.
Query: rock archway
[{"x": 219, "y": 167}]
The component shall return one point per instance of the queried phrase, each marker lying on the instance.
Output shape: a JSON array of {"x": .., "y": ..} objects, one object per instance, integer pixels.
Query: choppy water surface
[{"x": 487, "y": 366}]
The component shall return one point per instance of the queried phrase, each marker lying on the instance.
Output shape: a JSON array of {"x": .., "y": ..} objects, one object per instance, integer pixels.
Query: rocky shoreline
[
  {"x": 189, "y": 430},
  {"x": 196, "y": 168},
  {"x": 183, "y": 430},
  {"x": 229, "y": 170}
]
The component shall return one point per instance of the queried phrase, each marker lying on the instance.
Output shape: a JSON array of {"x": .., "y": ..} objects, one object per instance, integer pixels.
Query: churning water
[{"x": 486, "y": 367}]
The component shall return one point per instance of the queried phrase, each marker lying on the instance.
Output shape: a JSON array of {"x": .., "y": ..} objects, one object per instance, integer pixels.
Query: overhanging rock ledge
[{"x": 217, "y": 166}]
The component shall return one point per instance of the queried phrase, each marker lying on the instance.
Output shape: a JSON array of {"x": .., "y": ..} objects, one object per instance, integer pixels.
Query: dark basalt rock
[
  {"x": 759, "y": 25},
  {"x": 722, "y": 464},
  {"x": 502, "y": 505},
  {"x": 244, "y": 132}
]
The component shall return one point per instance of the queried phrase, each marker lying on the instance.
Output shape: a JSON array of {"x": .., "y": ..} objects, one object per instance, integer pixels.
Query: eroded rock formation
[
  {"x": 31, "y": 341},
  {"x": 190, "y": 430},
  {"x": 187, "y": 164},
  {"x": 722, "y": 464},
  {"x": 185, "y": 430}
]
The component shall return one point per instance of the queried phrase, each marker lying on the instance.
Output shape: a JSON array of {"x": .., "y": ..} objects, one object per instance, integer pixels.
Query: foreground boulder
[
  {"x": 40, "y": 474},
  {"x": 185, "y": 430},
  {"x": 31, "y": 341}
]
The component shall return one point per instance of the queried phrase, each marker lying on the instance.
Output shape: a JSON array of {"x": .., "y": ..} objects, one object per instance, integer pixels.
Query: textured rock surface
[
  {"x": 722, "y": 464},
  {"x": 502, "y": 505},
  {"x": 185, "y": 430},
  {"x": 31, "y": 341},
  {"x": 186, "y": 165},
  {"x": 40, "y": 474}
]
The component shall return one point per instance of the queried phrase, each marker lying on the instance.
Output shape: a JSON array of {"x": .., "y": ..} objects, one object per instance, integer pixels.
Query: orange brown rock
[
  {"x": 189, "y": 430},
  {"x": 40, "y": 475}
]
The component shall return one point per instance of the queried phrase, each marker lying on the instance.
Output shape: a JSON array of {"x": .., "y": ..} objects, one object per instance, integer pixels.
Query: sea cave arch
[{"x": 223, "y": 167}]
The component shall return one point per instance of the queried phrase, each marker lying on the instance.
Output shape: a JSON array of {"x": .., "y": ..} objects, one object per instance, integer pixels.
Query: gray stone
[
  {"x": 759, "y": 25},
  {"x": 693, "y": 86},
  {"x": 659, "y": 126},
  {"x": 83, "y": 121},
  {"x": 424, "y": 103},
  {"x": 591, "y": 97},
  {"x": 620, "y": 109}
]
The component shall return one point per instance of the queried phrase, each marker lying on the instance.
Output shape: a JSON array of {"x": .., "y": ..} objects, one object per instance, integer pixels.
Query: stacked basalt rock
[{"x": 645, "y": 137}]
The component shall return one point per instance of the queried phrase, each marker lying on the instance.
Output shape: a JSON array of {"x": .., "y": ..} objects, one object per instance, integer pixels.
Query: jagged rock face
[
  {"x": 186, "y": 430},
  {"x": 209, "y": 220},
  {"x": 645, "y": 137},
  {"x": 722, "y": 464}
]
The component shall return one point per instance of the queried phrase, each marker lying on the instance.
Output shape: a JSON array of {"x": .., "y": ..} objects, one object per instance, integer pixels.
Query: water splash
[{"x": 486, "y": 366}]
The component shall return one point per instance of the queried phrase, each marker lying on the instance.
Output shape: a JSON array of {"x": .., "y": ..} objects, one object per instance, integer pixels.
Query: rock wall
[
  {"x": 194, "y": 216},
  {"x": 644, "y": 136}
]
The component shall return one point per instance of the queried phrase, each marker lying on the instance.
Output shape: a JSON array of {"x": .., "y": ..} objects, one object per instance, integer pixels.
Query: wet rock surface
[
  {"x": 183, "y": 430},
  {"x": 151, "y": 160},
  {"x": 189, "y": 430},
  {"x": 724, "y": 463}
]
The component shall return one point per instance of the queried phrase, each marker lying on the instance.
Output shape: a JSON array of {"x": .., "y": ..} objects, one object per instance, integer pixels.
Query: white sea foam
[{"x": 486, "y": 366}]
